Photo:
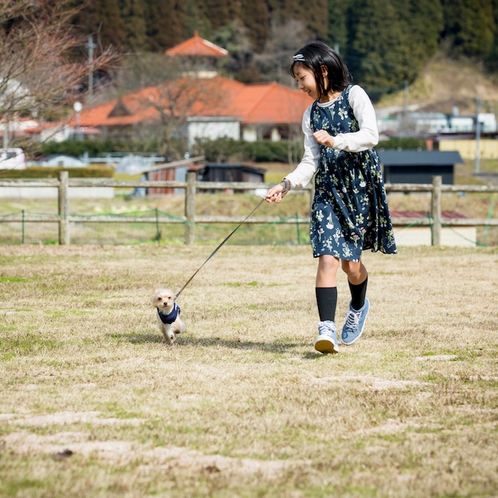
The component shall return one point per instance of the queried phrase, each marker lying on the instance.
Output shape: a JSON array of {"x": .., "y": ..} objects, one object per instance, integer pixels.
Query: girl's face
[{"x": 306, "y": 81}]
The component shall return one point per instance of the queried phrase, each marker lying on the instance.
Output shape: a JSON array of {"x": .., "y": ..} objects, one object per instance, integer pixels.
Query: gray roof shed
[{"x": 418, "y": 166}]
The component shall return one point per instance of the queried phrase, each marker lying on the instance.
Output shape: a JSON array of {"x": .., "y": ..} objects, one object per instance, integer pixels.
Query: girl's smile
[{"x": 307, "y": 83}]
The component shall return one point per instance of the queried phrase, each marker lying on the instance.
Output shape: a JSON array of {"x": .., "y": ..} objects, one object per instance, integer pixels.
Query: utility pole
[
  {"x": 6, "y": 132},
  {"x": 91, "y": 46},
  {"x": 478, "y": 135},
  {"x": 77, "y": 106},
  {"x": 405, "y": 107}
]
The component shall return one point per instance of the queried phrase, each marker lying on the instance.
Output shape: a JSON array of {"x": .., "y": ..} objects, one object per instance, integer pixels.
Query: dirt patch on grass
[
  {"x": 391, "y": 426},
  {"x": 372, "y": 382},
  {"x": 437, "y": 357},
  {"x": 67, "y": 418},
  {"x": 126, "y": 452}
]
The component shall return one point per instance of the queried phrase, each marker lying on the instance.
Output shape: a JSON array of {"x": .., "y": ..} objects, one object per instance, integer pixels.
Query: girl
[{"x": 349, "y": 212}]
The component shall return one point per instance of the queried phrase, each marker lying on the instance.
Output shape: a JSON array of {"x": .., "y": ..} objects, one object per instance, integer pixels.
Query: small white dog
[{"x": 168, "y": 314}]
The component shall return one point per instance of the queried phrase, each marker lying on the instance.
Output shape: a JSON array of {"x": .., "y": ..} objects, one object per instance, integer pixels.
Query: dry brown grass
[
  {"x": 445, "y": 83},
  {"x": 242, "y": 405}
]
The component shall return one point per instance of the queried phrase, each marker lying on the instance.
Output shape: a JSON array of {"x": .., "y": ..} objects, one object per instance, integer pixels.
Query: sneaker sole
[{"x": 326, "y": 346}]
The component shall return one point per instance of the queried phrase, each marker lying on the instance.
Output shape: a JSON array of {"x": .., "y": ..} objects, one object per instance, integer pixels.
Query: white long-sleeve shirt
[{"x": 366, "y": 138}]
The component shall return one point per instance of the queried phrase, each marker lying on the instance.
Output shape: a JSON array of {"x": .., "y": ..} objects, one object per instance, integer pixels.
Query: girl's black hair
[{"x": 317, "y": 55}]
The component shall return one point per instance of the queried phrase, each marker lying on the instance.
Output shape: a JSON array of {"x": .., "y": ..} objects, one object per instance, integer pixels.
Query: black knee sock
[
  {"x": 326, "y": 299},
  {"x": 358, "y": 293}
]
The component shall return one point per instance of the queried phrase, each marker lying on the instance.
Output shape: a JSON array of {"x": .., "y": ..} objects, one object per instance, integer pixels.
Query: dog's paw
[{"x": 169, "y": 338}]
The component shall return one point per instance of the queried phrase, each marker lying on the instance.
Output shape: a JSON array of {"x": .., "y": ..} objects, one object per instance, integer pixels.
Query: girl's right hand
[{"x": 276, "y": 193}]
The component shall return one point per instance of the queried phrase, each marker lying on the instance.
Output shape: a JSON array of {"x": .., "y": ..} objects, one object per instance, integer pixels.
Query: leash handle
[{"x": 219, "y": 246}]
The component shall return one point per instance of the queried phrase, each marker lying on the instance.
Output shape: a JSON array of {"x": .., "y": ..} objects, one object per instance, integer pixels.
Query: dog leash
[{"x": 219, "y": 246}]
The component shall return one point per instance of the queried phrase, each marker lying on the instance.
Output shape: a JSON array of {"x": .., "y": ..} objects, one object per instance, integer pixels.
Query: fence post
[
  {"x": 436, "y": 210},
  {"x": 190, "y": 208},
  {"x": 298, "y": 230},
  {"x": 63, "y": 208},
  {"x": 158, "y": 232}
]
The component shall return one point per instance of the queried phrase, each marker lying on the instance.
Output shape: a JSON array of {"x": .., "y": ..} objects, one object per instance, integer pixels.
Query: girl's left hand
[{"x": 323, "y": 138}]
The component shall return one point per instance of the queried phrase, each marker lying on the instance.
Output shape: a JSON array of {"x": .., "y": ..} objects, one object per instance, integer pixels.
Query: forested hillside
[{"x": 385, "y": 42}]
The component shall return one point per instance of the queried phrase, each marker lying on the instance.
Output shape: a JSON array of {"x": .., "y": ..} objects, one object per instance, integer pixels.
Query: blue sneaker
[
  {"x": 326, "y": 342},
  {"x": 355, "y": 322}
]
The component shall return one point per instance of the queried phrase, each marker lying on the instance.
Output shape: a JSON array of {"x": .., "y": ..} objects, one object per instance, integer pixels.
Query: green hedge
[
  {"x": 230, "y": 150},
  {"x": 97, "y": 146},
  {"x": 262, "y": 151},
  {"x": 49, "y": 172}
]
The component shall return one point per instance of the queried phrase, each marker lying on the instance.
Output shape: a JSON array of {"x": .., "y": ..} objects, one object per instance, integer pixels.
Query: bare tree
[
  {"x": 38, "y": 67},
  {"x": 174, "y": 102},
  {"x": 276, "y": 58},
  {"x": 167, "y": 91}
]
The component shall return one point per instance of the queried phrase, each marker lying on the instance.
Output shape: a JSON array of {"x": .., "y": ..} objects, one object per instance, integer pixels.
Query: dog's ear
[{"x": 156, "y": 288}]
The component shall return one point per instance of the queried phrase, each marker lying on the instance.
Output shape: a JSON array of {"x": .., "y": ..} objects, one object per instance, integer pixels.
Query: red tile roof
[
  {"x": 269, "y": 103},
  {"x": 197, "y": 46}
]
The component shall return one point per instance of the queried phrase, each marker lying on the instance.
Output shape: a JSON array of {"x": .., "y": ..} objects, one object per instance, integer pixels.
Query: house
[
  {"x": 433, "y": 122},
  {"x": 16, "y": 127},
  {"x": 418, "y": 166},
  {"x": 211, "y": 108},
  {"x": 201, "y": 53},
  {"x": 204, "y": 104}
]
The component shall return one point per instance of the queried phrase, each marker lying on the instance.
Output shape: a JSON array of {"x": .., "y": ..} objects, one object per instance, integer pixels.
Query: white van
[{"x": 12, "y": 159}]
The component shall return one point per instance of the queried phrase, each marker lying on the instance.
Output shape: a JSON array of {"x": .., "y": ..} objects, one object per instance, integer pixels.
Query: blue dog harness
[{"x": 171, "y": 317}]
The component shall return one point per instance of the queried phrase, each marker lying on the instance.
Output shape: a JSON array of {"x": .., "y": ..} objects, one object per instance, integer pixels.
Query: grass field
[{"x": 93, "y": 404}]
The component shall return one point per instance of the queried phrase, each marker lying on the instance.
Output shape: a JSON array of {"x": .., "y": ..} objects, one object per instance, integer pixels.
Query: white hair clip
[{"x": 299, "y": 58}]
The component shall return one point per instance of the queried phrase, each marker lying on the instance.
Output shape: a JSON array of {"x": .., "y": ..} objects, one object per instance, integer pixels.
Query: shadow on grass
[{"x": 205, "y": 342}]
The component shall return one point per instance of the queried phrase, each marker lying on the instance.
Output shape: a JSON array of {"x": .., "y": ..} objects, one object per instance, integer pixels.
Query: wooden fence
[{"x": 191, "y": 186}]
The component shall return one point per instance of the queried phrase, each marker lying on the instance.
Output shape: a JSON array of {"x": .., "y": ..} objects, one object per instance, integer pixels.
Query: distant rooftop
[{"x": 197, "y": 46}]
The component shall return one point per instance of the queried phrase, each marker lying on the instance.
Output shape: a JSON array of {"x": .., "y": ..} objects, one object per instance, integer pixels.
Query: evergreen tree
[
  {"x": 165, "y": 24},
  {"x": 337, "y": 31},
  {"x": 87, "y": 20},
  {"x": 197, "y": 20},
  {"x": 492, "y": 56},
  {"x": 422, "y": 22},
  {"x": 234, "y": 37},
  {"x": 112, "y": 30},
  {"x": 255, "y": 16},
  {"x": 313, "y": 13},
  {"x": 220, "y": 12},
  {"x": 135, "y": 26},
  {"x": 379, "y": 50},
  {"x": 469, "y": 26},
  {"x": 102, "y": 19}
]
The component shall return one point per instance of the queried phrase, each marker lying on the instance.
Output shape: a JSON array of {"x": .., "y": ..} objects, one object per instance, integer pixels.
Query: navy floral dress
[{"x": 349, "y": 211}]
